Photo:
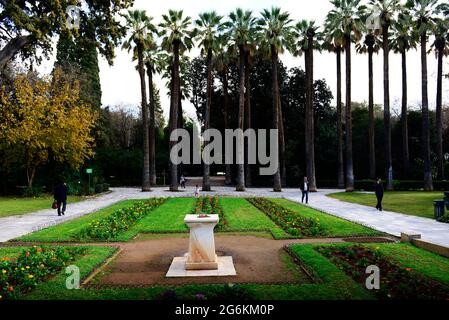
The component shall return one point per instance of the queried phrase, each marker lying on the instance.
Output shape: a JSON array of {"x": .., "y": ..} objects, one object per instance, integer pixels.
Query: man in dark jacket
[
  {"x": 61, "y": 197},
  {"x": 379, "y": 188},
  {"x": 305, "y": 190}
]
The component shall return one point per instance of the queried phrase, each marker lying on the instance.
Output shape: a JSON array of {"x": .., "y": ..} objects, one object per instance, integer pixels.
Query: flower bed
[
  {"x": 211, "y": 205},
  {"x": 288, "y": 220},
  {"x": 121, "y": 220},
  {"x": 33, "y": 265},
  {"x": 396, "y": 281}
]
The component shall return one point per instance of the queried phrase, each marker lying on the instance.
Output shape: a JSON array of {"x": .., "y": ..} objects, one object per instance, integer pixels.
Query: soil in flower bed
[
  {"x": 396, "y": 282},
  {"x": 290, "y": 221},
  {"x": 211, "y": 205}
]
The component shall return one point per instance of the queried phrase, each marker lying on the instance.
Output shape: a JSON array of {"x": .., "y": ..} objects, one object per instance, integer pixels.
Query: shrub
[
  {"x": 288, "y": 220},
  {"x": 211, "y": 205},
  {"x": 121, "y": 220},
  {"x": 105, "y": 187},
  {"x": 31, "y": 267},
  {"x": 99, "y": 188},
  {"x": 32, "y": 191}
]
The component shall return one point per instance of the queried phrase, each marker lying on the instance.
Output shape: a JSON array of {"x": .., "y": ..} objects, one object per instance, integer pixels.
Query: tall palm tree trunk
[
  {"x": 152, "y": 148},
  {"x": 146, "y": 144},
  {"x": 240, "y": 149},
  {"x": 309, "y": 121},
  {"x": 277, "y": 187},
  {"x": 174, "y": 107},
  {"x": 206, "y": 171},
  {"x": 348, "y": 118},
  {"x": 282, "y": 146},
  {"x": 387, "y": 117},
  {"x": 428, "y": 184},
  {"x": 439, "y": 124},
  {"x": 341, "y": 169},
  {"x": 248, "y": 124},
  {"x": 228, "y": 172},
  {"x": 371, "y": 138},
  {"x": 404, "y": 118}
]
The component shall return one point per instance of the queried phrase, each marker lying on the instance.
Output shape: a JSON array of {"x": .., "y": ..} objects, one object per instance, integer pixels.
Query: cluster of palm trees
[{"x": 236, "y": 38}]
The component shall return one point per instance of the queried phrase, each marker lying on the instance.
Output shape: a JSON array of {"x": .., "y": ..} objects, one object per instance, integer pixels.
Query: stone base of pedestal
[
  {"x": 225, "y": 267},
  {"x": 212, "y": 265}
]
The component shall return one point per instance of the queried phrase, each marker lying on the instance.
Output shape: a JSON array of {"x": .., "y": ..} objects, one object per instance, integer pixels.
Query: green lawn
[
  {"x": 10, "y": 206},
  {"x": 416, "y": 203},
  {"x": 332, "y": 226}
]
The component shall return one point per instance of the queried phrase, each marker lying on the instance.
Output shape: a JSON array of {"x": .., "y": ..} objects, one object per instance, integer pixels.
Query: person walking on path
[
  {"x": 182, "y": 181},
  {"x": 197, "y": 191},
  {"x": 305, "y": 190},
  {"x": 379, "y": 193},
  {"x": 60, "y": 196}
]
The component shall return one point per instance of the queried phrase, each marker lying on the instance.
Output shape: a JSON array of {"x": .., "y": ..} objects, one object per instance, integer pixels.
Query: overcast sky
[{"x": 120, "y": 82}]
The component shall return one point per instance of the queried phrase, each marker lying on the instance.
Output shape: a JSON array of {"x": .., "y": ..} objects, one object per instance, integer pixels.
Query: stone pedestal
[{"x": 201, "y": 255}]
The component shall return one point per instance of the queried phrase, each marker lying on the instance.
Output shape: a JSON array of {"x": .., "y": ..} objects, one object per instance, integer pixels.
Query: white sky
[{"x": 120, "y": 82}]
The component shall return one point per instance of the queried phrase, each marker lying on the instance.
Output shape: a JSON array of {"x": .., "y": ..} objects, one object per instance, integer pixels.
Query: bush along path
[
  {"x": 34, "y": 265},
  {"x": 110, "y": 227},
  {"x": 211, "y": 205},
  {"x": 290, "y": 221},
  {"x": 396, "y": 281}
]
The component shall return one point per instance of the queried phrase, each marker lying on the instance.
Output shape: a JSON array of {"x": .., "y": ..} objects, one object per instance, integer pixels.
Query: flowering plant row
[
  {"x": 211, "y": 205},
  {"x": 121, "y": 220},
  {"x": 19, "y": 276},
  {"x": 290, "y": 221}
]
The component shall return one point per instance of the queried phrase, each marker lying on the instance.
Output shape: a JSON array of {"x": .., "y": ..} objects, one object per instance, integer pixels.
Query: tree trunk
[
  {"x": 341, "y": 170},
  {"x": 206, "y": 168},
  {"x": 152, "y": 127},
  {"x": 240, "y": 166},
  {"x": 404, "y": 118},
  {"x": 228, "y": 172},
  {"x": 348, "y": 117},
  {"x": 439, "y": 124},
  {"x": 277, "y": 187},
  {"x": 387, "y": 117},
  {"x": 12, "y": 48},
  {"x": 282, "y": 146},
  {"x": 146, "y": 142},
  {"x": 248, "y": 124},
  {"x": 428, "y": 184},
  {"x": 309, "y": 121},
  {"x": 174, "y": 107},
  {"x": 372, "y": 146},
  {"x": 30, "y": 177}
]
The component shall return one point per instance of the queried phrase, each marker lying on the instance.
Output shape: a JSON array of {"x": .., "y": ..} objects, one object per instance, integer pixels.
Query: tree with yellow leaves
[{"x": 43, "y": 119}]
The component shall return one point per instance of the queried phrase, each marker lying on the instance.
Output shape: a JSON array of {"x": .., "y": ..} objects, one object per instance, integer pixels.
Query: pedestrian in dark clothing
[
  {"x": 60, "y": 196},
  {"x": 379, "y": 194},
  {"x": 305, "y": 190}
]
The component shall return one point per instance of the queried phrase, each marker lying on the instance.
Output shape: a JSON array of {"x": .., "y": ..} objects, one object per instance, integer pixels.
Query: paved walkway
[{"x": 389, "y": 222}]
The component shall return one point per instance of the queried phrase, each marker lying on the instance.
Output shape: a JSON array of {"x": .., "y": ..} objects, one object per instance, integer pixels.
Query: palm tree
[
  {"x": 346, "y": 16},
  {"x": 273, "y": 33},
  {"x": 207, "y": 31},
  {"x": 303, "y": 35},
  {"x": 333, "y": 42},
  {"x": 152, "y": 59},
  {"x": 423, "y": 12},
  {"x": 176, "y": 38},
  {"x": 370, "y": 46},
  {"x": 387, "y": 10},
  {"x": 222, "y": 61},
  {"x": 140, "y": 27},
  {"x": 240, "y": 29},
  {"x": 441, "y": 48},
  {"x": 403, "y": 40}
]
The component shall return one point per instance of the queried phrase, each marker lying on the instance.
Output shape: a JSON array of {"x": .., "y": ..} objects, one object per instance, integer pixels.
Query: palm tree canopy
[
  {"x": 273, "y": 30},
  {"x": 425, "y": 13},
  {"x": 387, "y": 9},
  {"x": 208, "y": 31},
  {"x": 371, "y": 39},
  {"x": 441, "y": 33},
  {"x": 403, "y": 38},
  {"x": 347, "y": 17},
  {"x": 240, "y": 29},
  {"x": 141, "y": 30},
  {"x": 301, "y": 34},
  {"x": 175, "y": 29}
]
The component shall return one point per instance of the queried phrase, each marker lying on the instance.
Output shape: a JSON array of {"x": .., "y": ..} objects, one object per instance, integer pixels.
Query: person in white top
[
  {"x": 197, "y": 191},
  {"x": 305, "y": 190}
]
